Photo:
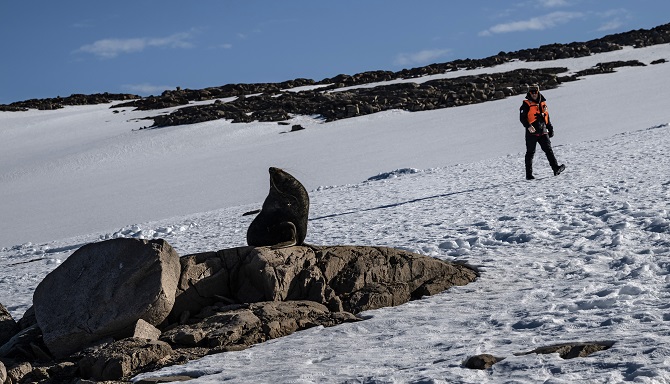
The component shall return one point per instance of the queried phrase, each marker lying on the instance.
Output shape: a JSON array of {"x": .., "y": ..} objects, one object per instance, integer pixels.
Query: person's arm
[
  {"x": 523, "y": 117},
  {"x": 550, "y": 127}
]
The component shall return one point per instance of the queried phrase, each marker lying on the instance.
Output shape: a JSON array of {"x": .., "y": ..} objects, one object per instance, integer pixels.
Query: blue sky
[{"x": 57, "y": 48}]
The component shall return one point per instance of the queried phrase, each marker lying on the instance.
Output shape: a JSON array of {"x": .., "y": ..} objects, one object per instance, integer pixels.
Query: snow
[{"x": 584, "y": 256}]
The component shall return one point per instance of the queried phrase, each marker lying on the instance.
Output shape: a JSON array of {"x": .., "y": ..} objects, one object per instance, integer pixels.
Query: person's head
[{"x": 534, "y": 91}]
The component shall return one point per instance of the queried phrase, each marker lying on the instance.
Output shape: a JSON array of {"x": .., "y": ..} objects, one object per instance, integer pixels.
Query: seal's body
[{"x": 282, "y": 221}]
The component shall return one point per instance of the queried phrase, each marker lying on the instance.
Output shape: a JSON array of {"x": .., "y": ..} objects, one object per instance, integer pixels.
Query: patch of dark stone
[
  {"x": 331, "y": 106},
  {"x": 61, "y": 102},
  {"x": 565, "y": 351},
  {"x": 413, "y": 97}
]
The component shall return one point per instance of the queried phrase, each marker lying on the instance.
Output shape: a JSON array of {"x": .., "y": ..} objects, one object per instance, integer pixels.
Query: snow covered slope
[
  {"x": 84, "y": 169},
  {"x": 580, "y": 257}
]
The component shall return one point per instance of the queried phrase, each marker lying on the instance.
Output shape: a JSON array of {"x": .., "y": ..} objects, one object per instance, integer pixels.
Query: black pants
[{"x": 545, "y": 144}]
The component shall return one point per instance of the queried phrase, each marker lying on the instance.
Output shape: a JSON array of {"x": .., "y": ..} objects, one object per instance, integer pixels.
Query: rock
[
  {"x": 241, "y": 326},
  {"x": 60, "y": 102},
  {"x": 483, "y": 361},
  {"x": 344, "y": 278},
  {"x": 122, "y": 359},
  {"x": 16, "y": 373},
  {"x": 163, "y": 379},
  {"x": 28, "y": 318},
  {"x": 59, "y": 373},
  {"x": 8, "y": 326},
  {"x": 21, "y": 344},
  {"x": 144, "y": 330},
  {"x": 3, "y": 373},
  {"x": 572, "y": 350},
  {"x": 103, "y": 289},
  {"x": 366, "y": 278}
]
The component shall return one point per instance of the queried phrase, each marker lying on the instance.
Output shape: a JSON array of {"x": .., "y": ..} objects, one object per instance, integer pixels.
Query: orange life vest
[{"x": 534, "y": 109}]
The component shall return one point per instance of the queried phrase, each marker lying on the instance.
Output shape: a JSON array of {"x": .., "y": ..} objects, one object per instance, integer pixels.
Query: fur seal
[{"x": 282, "y": 222}]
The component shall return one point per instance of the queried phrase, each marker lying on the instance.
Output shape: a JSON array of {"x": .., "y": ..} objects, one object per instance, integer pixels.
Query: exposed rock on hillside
[
  {"x": 260, "y": 110},
  {"x": 335, "y": 105},
  {"x": 60, "y": 102}
]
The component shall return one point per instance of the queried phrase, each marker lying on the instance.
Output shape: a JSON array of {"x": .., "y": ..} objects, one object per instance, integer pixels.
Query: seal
[{"x": 282, "y": 221}]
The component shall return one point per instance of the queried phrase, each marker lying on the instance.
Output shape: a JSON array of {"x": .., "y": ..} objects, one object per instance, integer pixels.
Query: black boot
[
  {"x": 559, "y": 169},
  {"x": 529, "y": 168}
]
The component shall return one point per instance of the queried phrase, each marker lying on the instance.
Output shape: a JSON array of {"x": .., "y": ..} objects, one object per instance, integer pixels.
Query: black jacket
[{"x": 523, "y": 117}]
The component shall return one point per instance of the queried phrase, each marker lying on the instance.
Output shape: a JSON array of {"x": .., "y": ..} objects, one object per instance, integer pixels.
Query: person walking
[{"x": 534, "y": 116}]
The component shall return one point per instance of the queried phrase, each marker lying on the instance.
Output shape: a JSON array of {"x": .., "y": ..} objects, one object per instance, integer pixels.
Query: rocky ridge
[{"x": 274, "y": 102}]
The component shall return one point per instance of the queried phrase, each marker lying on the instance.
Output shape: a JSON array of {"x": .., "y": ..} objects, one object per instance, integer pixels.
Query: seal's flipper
[
  {"x": 285, "y": 244},
  {"x": 287, "y": 233}
]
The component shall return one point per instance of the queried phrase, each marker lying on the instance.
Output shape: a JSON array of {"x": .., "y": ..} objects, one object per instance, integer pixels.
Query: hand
[
  {"x": 551, "y": 133},
  {"x": 531, "y": 129}
]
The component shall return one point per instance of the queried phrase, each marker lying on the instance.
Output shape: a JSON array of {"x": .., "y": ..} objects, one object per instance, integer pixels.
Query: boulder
[
  {"x": 483, "y": 361},
  {"x": 8, "y": 326},
  {"x": 572, "y": 350},
  {"x": 344, "y": 278},
  {"x": 122, "y": 359},
  {"x": 16, "y": 373},
  {"x": 239, "y": 326},
  {"x": 144, "y": 330},
  {"x": 28, "y": 318},
  {"x": 163, "y": 379},
  {"x": 25, "y": 344},
  {"x": 103, "y": 289},
  {"x": 3, "y": 372}
]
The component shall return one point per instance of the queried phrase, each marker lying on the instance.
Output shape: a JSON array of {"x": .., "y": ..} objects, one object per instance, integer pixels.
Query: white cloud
[
  {"x": 146, "y": 88},
  {"x": 614, "y": 19},
  {"x": 421, "y": 57},
  {"x": 554, "y": 3},
  {"x": 110, "y": 48},
  {"x": 611, "y": 25},
  {"x": 534, "y": 24}
]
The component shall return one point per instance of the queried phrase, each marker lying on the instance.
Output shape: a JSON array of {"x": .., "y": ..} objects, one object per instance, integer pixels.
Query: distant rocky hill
[{"x": 274, "y": 101}]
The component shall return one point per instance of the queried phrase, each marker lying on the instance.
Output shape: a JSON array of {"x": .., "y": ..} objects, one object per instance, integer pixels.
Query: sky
[{"x": 54, "y": 49}]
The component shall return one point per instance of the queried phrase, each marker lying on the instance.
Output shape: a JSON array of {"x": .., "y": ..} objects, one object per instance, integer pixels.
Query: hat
[{"x": 534, "y": 87}]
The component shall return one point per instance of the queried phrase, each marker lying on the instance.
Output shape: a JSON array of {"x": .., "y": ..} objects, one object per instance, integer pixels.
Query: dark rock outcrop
[
  {"x": 122, "y": 359},
  {"x": 60, "y": 102},
  {"x": 564, "y": 350},
  {"x": 221, "y": 328},
  {"x": 483, "y": 361},
  {"x": 221, "y": 301},
  {"x": 572, "y": 350},
  {"x": 344, "y": 278},
  {"x": 271, "y": 102}
]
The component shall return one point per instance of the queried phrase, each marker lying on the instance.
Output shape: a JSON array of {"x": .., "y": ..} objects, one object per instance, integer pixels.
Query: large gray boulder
[
  {"x": 344, "y": 278},
  {"x": 103, "y": 289}
]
